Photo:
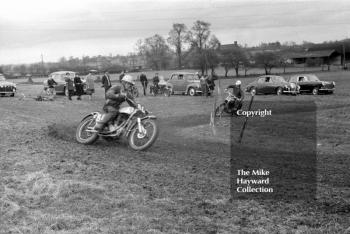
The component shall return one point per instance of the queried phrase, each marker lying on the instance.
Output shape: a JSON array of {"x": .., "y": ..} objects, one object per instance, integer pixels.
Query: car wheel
[
  {"x": 279, "y": 91},
  {"x": 191, "y": 92},
  {"x": 253, "y": 91},
  {"x": 315, "y": 91}
]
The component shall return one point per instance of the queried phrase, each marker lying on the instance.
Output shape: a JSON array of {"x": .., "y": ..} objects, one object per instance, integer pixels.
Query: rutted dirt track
[{"x": 50, "y": 183}]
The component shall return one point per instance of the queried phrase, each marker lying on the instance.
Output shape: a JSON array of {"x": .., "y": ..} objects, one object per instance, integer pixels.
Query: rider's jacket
[
  {"x": 237, "y": 91},
  {"x": 115, "y": 97}
]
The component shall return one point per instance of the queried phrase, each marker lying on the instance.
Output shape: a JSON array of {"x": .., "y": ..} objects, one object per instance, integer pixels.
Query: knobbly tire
[
  {"x": 136, "y": 136},
  {"x": 84, "y": 137},
  {"x": 219, "y": 110}
]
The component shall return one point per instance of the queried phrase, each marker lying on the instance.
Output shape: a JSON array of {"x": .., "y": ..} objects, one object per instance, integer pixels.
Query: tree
[
  {"x": 198, "y": 37},
  {"x": 177, "y": 38},
  {"x": 268, "y": 60},
  {"x": 234, "y": 58},
  {"x": 211, "y": 54},
  {"x": 156, "y": 51}
]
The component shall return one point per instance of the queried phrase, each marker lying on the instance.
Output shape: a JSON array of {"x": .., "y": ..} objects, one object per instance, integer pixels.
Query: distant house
[{"x": 325, "y": 56}]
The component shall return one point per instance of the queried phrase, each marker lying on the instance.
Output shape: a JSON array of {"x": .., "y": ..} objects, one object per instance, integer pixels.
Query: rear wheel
[
  {"x": 279, "y": 91},
  {"x": 315, "y": 91},
  {"x": 143, "y": 140},
  {"x": 82, "y": 135}
]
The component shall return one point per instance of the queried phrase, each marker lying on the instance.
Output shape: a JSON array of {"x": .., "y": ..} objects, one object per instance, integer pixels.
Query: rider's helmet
[
  {"x": 129, "y": 79},
  {"x": 238, "y": 82}
]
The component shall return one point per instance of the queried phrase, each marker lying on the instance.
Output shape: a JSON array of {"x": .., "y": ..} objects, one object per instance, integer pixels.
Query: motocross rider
[
  {"x": 238, "y": 93},
  {"x": 116, "y": 95}
]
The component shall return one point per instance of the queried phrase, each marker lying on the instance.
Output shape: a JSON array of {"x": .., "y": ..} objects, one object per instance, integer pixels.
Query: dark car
[
  {"x": 271, "y": 84},
  {"x": 7, "y": 88},
  {"x": 310, "y": 83}
]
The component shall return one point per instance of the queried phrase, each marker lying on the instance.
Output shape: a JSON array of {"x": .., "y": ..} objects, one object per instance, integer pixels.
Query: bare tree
[
  {"x": 198, "y": 36},
  {"x": 235, "y": 57},
  {"x": 268, "y": 60},
  {"x": 156, "y": 51},
  {"x": 177, "y": 38}
]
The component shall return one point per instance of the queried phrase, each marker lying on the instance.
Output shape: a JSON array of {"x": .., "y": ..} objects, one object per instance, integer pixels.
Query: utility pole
[
  {"x": 344, "y": 57},
  {"x": 42, "y": 65}
]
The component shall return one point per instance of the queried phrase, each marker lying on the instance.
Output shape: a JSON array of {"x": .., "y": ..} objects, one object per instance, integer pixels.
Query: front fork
[{"x": 142, "y": 130}]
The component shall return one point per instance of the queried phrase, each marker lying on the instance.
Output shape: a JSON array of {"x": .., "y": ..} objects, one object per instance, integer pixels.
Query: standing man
[
  {"x": 156, "y": 81},
  {"x": 106, "y": 82},
  {"x": 204, "y": 86},
  {"x": 90, "y": 86},
  {"x": 78, "y": 87},
  {"x": 144, "y": 82},
  {"x": 69, "y": 86},
  {"x": 121, "y": 76}
]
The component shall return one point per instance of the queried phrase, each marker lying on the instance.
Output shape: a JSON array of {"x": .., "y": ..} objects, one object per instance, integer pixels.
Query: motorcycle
[
  {"x": 229, "y": 106},
  {"x": 135, "y": 124},
  {"x": 160, "y": 90},
  {"x": 134, "y": 91}
]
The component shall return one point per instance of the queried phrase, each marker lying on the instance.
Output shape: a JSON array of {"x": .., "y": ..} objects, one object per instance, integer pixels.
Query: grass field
[{"x": 51, "y": 184}]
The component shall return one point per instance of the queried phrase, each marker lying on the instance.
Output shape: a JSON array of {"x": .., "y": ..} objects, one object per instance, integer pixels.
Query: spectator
[
  {"x": 144, "y": 82},
  {"x": 204, "y": 86},
  {"x": 90, "y": 86},
  {"x": 69, "y": 86},
  {"x": 156, "y": 81},
  {"x": 121, "y": 76},
  {"x": 51, "y": 83},
  {"x": 106, "y": 82},
  {"x": 78, "y": 87},
  {"x": 211, "y": 83}
]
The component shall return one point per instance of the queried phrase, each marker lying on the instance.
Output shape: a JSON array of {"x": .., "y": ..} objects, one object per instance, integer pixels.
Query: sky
[{"x": 57, "y": 28}]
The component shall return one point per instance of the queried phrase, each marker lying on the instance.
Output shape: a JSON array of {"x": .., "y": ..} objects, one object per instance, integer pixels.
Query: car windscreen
[
  {"x": 312, "y": 78},
  {"x": 189, "y": 76},
  {"x": 279, "y": 79}
]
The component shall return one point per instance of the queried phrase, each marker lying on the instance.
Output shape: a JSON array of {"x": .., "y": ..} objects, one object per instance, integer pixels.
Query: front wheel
[
  {"x": 82, "y": 135},
  {"x": 315, "y": 91},
  {"x": 219, "y": 110},
  {"x": 191, "y": 92},
  {"x": 143, "y": 140}
]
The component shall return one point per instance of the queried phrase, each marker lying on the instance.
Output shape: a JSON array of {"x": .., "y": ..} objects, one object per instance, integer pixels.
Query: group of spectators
[{"x": 207, "y": 83}]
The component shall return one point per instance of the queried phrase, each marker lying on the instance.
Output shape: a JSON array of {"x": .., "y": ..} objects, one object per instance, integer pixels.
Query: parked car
[
  {"x": 7, "y": 88},
  {"x": 310, "y": 83},
  {"x": 59, "y": 77},
  {"x": 184, "y": 83},
  {"x": 271, "y": 84}
]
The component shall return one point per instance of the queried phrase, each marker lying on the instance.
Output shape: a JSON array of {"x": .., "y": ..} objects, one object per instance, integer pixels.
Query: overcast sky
[{"x": 56, "y": 28}]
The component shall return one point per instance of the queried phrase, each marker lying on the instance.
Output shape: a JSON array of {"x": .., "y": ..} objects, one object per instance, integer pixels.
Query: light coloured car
[
  {"x": 59, "y": 77},
  {"x": 184, "y": 83},
  {"x": 7, "y": 88}
]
